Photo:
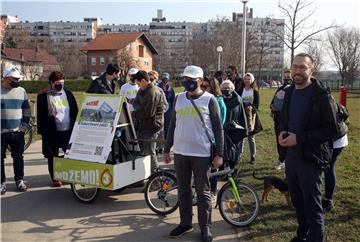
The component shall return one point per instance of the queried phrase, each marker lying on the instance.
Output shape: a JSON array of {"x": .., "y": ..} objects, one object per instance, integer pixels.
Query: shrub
[{"x": 73, "y": 85}]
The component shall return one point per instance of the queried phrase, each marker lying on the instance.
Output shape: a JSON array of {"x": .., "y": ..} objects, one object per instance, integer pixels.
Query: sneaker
[
  {"x": 252, "y": 160},
  {"x": 3, "y": 188},
  {"x": 206, "y": 236},
  {"x": 279, "y": 165},
  {"x": 21, "y": 185},
  {"x": 180, "y": 231},
  {"x": 57, "y": 183}
]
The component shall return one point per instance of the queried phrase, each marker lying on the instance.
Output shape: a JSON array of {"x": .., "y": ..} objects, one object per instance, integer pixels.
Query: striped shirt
[{"x": 15, "y": 109}]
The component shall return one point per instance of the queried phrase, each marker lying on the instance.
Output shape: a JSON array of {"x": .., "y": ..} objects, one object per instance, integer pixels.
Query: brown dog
[{"x": 272, "y": 181}]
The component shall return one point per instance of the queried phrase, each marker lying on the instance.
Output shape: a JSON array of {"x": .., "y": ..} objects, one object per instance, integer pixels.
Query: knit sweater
[{"x": 15, "y": 109}]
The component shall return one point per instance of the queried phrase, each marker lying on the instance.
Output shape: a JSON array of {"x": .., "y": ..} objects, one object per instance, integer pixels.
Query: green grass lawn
[{"x": 276, "y": 221}]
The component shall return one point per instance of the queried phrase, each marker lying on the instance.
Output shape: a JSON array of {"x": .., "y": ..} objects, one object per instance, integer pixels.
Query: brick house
[
  {"x": 34, "y": 64},
  {"x": 126, "y": 49}
]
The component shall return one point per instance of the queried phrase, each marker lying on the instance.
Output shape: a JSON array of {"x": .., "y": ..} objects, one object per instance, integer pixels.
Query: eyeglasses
[{"x": 301, "y": 68}]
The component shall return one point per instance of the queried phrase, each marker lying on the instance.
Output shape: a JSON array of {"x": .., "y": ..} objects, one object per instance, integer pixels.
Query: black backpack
[{"x": 342, "y": 115}]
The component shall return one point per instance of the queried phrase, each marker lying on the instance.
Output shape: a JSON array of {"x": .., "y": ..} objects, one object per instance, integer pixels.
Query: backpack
[{"x": 342, "y": 115}]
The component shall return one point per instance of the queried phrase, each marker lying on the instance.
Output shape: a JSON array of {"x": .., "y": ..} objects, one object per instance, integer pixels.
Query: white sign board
[{"x": 94, "y": 128}]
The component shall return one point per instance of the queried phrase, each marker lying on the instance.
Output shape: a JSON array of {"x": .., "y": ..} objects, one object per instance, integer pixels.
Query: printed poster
[{"x": 94, "y": 128}]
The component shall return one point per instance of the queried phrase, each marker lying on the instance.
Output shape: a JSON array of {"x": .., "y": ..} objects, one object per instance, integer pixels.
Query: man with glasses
[
  {"x": 15, "y": 117},
  {"x": 307, "y": 124}
]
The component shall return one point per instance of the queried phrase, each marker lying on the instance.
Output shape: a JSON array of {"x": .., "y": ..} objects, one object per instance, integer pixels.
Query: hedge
[{"x": 73, "y": 85}]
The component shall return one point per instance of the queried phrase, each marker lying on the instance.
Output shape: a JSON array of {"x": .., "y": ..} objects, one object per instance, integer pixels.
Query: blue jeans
[
  {"x": 252, "y": 145},
  {"x": 330, "y": 176},
  {"x": 15, "y": 140}
]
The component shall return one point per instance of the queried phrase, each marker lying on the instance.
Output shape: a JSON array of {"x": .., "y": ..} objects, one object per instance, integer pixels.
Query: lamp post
[
  {"x": 243, "y": 47},
  {"x": 219, "y": 49}
]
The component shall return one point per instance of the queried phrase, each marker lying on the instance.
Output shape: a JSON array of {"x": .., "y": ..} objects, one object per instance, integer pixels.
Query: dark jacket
[
  {"x": 149, "y": 111},
  {"x": 258, "y": 126},
  {"x": 235, "y": 117},
  {"x": 46, "y": 126},
  {"x": 320, "y": 124},
  {"x": 101, "y": 86}
]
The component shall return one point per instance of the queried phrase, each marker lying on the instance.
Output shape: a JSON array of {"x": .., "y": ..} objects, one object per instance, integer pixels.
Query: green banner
[{"x": 83, "y": 172}]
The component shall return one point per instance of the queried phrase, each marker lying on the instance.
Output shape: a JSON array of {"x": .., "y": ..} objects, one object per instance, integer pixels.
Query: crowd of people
[{"x": 221, "y": 111}]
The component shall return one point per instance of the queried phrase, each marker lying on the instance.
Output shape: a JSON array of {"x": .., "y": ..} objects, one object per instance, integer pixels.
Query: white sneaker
[
  {"x": 279, "y": 165},
  {"x": 21, "y": 185},
  {"x": 3, "y": 188}
]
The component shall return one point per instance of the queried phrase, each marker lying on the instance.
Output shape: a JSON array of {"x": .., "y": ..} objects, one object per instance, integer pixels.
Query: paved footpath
[{"x": 46, "y": 213}]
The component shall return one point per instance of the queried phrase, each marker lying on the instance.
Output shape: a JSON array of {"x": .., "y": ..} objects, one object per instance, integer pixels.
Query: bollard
[{"x": 342, "y": 96}]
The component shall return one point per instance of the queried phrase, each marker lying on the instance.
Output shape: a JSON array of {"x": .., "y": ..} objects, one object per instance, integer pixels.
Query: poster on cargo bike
[{"x": 94, "y": 128}]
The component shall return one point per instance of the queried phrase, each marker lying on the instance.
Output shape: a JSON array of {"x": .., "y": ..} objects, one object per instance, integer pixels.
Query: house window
[
  {"x": 93, "y": 73},
  {"x": 141, "y": 51},
  {"x": 102, "y": 61},
  {"x": 146, "y": 63},
  {"x": 111, "y": 60},
  {"x": 93, "y": 61}
]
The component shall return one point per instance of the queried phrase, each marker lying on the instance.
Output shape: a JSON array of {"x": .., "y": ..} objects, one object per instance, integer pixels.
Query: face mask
[
  {"x": 228, "y": 75},
  {"x": 59, "y": 86},
  {"x": 227, "y": 93},
  {"x": 190, "y": 85},
  {"x": 14, "y": 84}
]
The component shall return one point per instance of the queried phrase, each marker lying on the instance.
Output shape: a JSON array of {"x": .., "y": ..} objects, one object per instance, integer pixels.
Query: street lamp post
[
  {"x": 219, "y": 49},
  {"x": 243, "y": 47}
]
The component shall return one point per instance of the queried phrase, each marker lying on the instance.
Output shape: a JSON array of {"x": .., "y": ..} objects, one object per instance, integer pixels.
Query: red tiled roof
[
  {"x": 30, "y": 55},
  {"x": 112, "y": 41}
]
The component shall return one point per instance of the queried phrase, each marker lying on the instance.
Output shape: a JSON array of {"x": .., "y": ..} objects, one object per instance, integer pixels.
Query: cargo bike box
[{"x": 102, "y": 151}]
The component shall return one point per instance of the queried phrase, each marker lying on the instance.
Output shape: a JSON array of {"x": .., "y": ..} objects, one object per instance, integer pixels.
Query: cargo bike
[{"x": 103, "y": 151}]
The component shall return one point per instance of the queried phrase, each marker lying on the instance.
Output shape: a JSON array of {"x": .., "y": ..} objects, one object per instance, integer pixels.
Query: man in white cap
[
  {"x": 192, "y": 150},
  {"x": 130, "y": 89},
  {"x": 15, "y": 116}
]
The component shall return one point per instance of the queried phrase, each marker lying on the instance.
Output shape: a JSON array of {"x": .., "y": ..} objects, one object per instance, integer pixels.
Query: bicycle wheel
[
  {"x": 161, "y": 194},
  {"x": 241, "y": 213},
  {"x": 85, "y": 194},
  {"x": 28, "y": 137}
]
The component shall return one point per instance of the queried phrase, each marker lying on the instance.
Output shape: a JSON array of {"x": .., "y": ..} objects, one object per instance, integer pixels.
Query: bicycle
[{"x": 238, "y": 202}]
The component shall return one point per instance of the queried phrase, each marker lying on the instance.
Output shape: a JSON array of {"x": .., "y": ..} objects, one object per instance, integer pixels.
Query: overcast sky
[{"x": 136, "y": 11}]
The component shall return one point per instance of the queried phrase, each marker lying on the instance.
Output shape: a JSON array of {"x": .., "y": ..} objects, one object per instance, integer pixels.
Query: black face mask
[
  {"x": 190, "y": 85},
  {"x": 228, "y": 74},
  {"x": 227, "y": 93},
  {"x": 14, "y": 84},
  {"x": 59, "y": 86}
]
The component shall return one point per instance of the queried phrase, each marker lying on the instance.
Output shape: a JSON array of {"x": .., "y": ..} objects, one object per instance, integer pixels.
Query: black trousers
[
  {"x": 281, "y": 150},
  {"x": 15, "y": 140},
  {"x": 305, "y": 190},
  {"x": 62, "y": 141}
]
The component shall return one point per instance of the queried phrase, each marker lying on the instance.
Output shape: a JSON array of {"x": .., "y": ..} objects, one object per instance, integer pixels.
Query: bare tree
[
  {"x": 125, "y": 61},
  {"x": 296, "y": 28},
  {"x": 345, "y": 52},
  {"x": 316, "y": 49}
]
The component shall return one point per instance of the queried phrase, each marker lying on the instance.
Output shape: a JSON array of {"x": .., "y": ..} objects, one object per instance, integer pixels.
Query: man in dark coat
[
  {"x": 308, "y": 124},
  {"x": 56, "y": 115},
  {"x": 149, "y": 111},
  {"x": 105, "y": 84}
]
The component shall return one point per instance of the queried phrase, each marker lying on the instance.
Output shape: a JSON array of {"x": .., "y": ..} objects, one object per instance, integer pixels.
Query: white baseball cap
[
  {"x": 12, "y": 72},
  {"x": 193, "y": 72},
  {"x": 133, "y": 71}
]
